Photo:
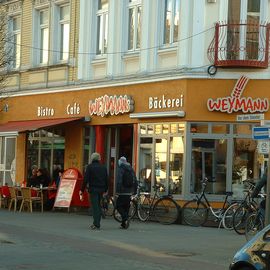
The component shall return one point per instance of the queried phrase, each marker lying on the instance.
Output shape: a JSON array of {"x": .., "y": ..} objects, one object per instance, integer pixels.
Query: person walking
[
  {"x": 96, "y": 180},
  {"x": 126, "y": 185}
]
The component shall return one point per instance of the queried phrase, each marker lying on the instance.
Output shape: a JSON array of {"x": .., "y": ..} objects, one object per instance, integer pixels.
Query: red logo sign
[
  {"x": 112, "y": 105},
  {"x": 235, "y": 102}
]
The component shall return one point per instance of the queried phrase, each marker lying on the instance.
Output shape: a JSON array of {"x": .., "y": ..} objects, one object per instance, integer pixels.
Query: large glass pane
[
  {"x": 209, "y": 160},
  {"x": 161, "y": 162},
  {"x": 64, "y": 13},
  {"x": 131, "y": 27},
  {"x": 176, "y": 165},
  {"x": 176, "y": 20},
  {"x": 242, "y": 129},
  {"x": 138, "y": 41},
  {"x": 99, "y": 34},
  {"x": 44, "y": 45},
  {"x": 64, "y": 46},
  {"x": 145, "y": 162},
  {"x": 167, "y": 21},
  {"x": 247, "y": 164}
]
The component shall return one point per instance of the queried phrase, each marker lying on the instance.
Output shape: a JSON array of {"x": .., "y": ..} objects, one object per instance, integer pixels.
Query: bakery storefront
[{"x": 173, "y": 132}]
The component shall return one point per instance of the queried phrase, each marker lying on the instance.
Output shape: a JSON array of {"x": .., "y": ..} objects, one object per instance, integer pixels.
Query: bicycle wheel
[
  {"x": 143, "y": 207},
  {"x": 131, "y": 213},
  {"x": 239, "y": 219},
  {"x": 166, "y": 211},
  {"x": 254, "y": 224},
  {"x": 194, "y": 213},
  {"x": 227, "y": 219}
]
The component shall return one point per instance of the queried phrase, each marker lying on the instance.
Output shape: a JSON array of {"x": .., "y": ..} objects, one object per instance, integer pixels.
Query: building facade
[{"x": 175, "y": 90}]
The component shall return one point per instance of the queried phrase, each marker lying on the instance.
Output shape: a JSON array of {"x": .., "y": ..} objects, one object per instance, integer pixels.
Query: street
[{"x": 60, "y": 240}]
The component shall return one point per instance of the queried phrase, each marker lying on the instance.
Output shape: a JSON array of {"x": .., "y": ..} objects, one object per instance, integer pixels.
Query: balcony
[{"x": 240, "y": 45}]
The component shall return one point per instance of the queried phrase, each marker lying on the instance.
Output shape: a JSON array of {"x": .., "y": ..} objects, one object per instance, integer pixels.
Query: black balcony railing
[{"x": 240, "y": 45}]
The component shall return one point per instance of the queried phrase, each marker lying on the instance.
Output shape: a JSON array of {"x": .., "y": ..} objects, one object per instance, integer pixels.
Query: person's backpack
[{"x": 128, "y": 178}]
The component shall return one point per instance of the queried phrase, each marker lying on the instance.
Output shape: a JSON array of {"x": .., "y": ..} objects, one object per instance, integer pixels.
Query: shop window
[
  {"x": 244, "y": 129},
  {"x": 199, "y": 128},
  {"x": 165, "y": 129},
  {"x": 161, "y": 157},
  {"x": 143, "y": 129},
  {"x": 158, "y": 129},
  {"x": 7, "y": 160},
  {"x": 175, "y": 165},
  {"x": 150, "y": 129},
  {"x": 247, "y": 164},
  {"x": 209, "y": 160},
  {"x": 46, "y": 149},
  {"x": 220, "y": 129}
]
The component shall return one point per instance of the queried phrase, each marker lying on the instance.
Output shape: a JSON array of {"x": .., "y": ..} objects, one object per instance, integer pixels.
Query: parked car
[{"x": 255, "y": 254}]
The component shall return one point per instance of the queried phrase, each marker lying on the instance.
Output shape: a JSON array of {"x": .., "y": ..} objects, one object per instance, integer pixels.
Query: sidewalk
[{"x": 202, "y": 244}]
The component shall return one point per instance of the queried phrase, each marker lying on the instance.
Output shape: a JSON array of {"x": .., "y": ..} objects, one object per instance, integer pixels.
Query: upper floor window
[
  {"x": 102, "y": 27},
  {"x": 43, "y": 36},
  {"x": 134, "y": 24},
  {"x": 171, "y": 21},
  {"x": 64, "y": 27},
  {"x": 16, "y": 41}
]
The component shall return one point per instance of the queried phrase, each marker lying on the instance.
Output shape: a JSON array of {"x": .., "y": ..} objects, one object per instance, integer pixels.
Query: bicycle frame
[{"x": 218, "y": 213}]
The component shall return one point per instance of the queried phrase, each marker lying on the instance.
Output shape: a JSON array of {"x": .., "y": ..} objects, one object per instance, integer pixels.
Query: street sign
[
  {"x": 260, "y": 133},
  {"x": 263, "y": 147},
  {"x": 250, "y": 117}
]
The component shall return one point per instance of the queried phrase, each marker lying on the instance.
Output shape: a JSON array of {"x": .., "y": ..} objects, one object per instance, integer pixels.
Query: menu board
[{"x": 65, "y": 192}]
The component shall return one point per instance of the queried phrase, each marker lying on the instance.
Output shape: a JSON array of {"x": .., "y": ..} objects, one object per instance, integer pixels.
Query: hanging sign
[{"x": 235, "y": 102}]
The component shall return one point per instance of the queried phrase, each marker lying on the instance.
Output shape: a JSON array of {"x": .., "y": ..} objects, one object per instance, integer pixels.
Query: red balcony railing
[{"x": 240, "y": 45}]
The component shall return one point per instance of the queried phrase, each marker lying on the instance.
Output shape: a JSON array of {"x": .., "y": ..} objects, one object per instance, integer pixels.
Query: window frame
[
  {"x": 171, "y": 41},
  {"x": 15, "y": 45},
  {"x": 135, "y": 45},
  {"x": 102, "y": 28}
]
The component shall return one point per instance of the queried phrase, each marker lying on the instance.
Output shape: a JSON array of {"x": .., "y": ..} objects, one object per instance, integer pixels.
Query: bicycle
[
  {"x": 255, "y": 221},
  {"x": 246, "y": 207},
  {"x": 163, "y": 208},
  {"x": 196, "y": 211}
]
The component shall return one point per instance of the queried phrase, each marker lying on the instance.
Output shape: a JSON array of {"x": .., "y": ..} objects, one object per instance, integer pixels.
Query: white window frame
[
  {"x": 172, "y": 19},
  {"x": 135, "y": 5},
  {"x": 102, "y": 15},
  {"x": 63, "y": 42},
  {"x": 44, "y": 52},
  {"x": 15, "y": 37}
]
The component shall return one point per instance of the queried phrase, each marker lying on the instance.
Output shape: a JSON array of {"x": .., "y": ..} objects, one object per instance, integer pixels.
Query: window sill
[
  {"x": 167, "y": 49},
  {"x": 99, "y": 60},
  {"x": 131, "y": 55}
]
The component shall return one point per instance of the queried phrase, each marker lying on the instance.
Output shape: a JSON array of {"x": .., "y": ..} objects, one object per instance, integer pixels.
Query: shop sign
[
  {"x": 45, "y": 111},
  {"x": 113, "y": 105},
  {"x": 74, "y": 108},
  {"x": 164, "y": 102},
  {"x": 235, "y": 102}
]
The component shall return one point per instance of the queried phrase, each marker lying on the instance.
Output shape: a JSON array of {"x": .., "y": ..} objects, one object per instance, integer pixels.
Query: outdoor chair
[
  {"x": 28, "y": 199},
  {"x": 14, "y": 198}
]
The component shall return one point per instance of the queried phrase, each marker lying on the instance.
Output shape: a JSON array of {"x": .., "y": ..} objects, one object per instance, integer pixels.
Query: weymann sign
[{"x": 235, "y": 102}]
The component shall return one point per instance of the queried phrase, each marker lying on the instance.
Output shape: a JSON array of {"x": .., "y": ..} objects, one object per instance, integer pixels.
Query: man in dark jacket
[
  {"x": 124, "y": 192},
  {"x": 96, "y": 180}
]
